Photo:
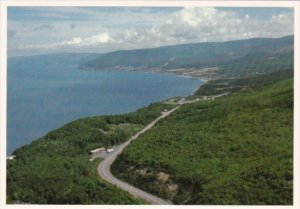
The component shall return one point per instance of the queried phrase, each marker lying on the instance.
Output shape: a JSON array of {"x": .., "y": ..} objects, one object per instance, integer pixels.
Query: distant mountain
[
  {"x": 55, "y": 58},
  {"x": 233, "y": 58}
]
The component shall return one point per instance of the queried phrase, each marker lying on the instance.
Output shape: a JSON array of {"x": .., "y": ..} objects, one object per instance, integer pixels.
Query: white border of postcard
[{"x": 3, "y": 73}]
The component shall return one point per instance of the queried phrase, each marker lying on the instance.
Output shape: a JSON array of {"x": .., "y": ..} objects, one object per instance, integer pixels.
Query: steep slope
[
  {"x": 234, "y": 150},
  {"x": 56, "y": 169}
]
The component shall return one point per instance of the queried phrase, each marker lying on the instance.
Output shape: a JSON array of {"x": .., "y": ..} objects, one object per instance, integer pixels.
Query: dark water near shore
[{"x": 44, "y": 97}]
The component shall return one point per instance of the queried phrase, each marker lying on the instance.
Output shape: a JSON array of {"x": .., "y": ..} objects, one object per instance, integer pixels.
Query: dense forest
[
  {"x": 56, "y": 168},
  {"x": 234, "y": 150}
]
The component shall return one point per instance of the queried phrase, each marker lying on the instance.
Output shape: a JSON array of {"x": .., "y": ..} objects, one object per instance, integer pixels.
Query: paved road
[{"x": 104, "y": 167}]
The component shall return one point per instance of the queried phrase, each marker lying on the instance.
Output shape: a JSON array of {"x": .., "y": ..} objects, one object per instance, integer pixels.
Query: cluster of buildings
[{"x": 208, "y": 98}]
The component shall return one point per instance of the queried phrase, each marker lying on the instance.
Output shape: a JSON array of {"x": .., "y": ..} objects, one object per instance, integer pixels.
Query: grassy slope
[
  {"x": 257, "y": 62},
  {"x": 56, "y": 168},
  {"x": 220, "y": 86},
  {"x": 235, "y": 150}
]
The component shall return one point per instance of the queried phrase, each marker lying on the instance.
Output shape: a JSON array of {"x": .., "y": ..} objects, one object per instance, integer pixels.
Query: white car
[{"x": 109, "y": 150}]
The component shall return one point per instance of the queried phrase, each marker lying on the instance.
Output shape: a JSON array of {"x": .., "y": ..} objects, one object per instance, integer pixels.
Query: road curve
[{"x": 104, "y": 167}]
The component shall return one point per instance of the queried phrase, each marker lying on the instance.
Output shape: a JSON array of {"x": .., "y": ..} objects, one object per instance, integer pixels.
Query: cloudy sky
[{"x": 35, "y": 30}]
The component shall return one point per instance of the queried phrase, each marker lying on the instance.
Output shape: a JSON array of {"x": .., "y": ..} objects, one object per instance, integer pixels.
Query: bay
[{"x": 41, "y": 97}]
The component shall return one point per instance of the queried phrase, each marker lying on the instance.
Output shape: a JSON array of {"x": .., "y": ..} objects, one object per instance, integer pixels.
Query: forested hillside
[
  {"x": 233, "y": 150},
  {"x": 237, "y": 149},
  {"x": 56, "y": 168}
]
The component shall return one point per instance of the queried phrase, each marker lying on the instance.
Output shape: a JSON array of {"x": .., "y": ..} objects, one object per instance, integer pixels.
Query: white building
[
  {"x": 96, "y": 152},
  {"x": 11, "y": 157}
]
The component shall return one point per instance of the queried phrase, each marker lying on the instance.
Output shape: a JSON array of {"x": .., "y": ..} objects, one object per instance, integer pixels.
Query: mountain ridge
[{"x": 195, "y": 55}]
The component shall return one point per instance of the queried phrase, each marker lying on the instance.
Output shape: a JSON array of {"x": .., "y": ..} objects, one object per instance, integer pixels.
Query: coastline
[
  {"x": 10, "y": 153},
  {"x": 203, "y": 74},
  {"x": 52, "y": 137}
]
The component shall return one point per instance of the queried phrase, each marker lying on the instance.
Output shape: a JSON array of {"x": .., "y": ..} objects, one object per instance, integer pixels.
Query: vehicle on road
[{"x": 109, "y": 150}]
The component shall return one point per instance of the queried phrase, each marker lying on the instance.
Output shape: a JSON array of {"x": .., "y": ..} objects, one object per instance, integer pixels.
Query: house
[
  {"x": 96, "y": 152},
  {"x": 11, "y": 157}
]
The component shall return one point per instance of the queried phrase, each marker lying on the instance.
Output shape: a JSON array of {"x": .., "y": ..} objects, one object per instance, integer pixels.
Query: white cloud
[
  {"x": 74, "y": 42},
  {"x": 96, "y": 39},
  {"x": 283, "y": 20},
  {"x": 143, "y": 28}
]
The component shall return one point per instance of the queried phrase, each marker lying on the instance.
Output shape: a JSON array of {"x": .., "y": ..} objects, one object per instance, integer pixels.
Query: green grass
[
  {"x": 257, "y": 63},
  {"x": 234, "y": 150},
  {"x": 56, "y": 168}
]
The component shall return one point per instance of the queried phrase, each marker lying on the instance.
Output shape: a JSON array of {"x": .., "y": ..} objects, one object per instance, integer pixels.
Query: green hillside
[
  {"x": 56, "y": 168},
  {"x": 233, "y": 150},
  {"x": 219, "y": 86}
]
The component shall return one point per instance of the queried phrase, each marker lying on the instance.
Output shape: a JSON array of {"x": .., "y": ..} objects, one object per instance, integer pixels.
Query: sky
[{"x": 40, "y": 30}]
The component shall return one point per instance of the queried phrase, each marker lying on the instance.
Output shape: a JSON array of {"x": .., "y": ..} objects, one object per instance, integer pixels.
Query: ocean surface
[{"x": 44, "y": 97}]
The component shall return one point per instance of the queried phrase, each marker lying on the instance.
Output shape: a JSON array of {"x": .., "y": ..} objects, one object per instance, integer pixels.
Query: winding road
[{"x": 104, "y": 167}]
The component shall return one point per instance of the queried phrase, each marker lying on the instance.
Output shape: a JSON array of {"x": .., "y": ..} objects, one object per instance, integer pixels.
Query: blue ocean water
[{"x": 44, "y": 97}]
